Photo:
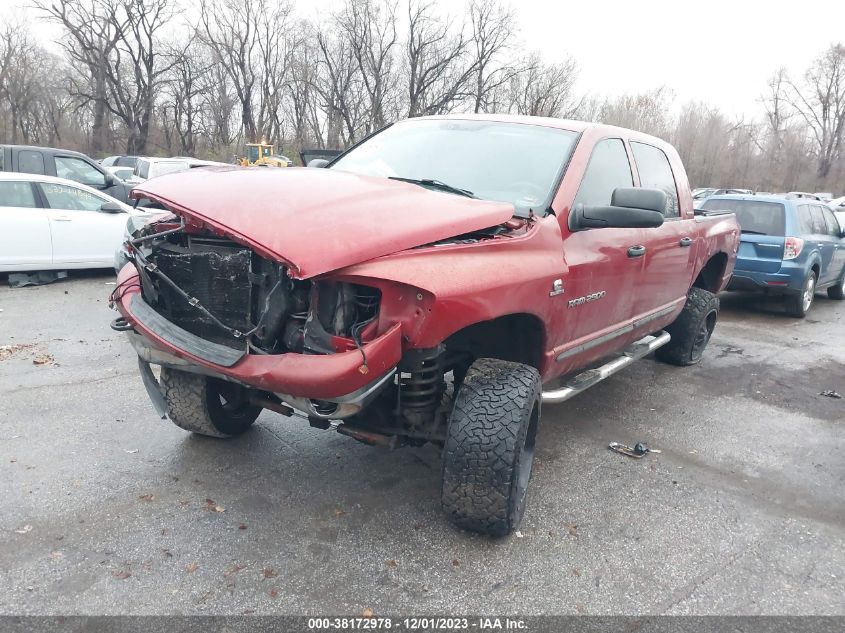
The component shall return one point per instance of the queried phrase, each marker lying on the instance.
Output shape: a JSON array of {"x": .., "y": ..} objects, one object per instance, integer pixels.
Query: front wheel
[
  {"x": 692, "y": 330},
  {"x": 489, "y": 450},
  {"x": 206, "y": 406},
  {"x": 798, "y": 304}
]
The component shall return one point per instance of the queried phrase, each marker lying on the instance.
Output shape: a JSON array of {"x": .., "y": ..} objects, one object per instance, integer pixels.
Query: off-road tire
[
  {"x": 794, "y": 303},
  {"x": 489, "y": 449},
  {"x": 692, "y": 329},
  {"x": 194, "y": 404},
  {"x": 837, "y": 292}
]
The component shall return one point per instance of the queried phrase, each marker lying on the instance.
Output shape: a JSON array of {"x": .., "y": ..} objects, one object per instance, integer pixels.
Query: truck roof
[
  {"x": 563, "y": 124},
  {"x": 39, "y": 148}
]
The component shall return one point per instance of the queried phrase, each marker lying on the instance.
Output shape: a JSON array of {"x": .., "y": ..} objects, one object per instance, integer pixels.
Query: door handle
[
  {"x": 636, "y": 251},
  {"x": 686, "y": 241}
]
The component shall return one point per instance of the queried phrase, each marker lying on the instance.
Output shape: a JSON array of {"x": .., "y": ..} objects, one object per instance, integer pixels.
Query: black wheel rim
[
  {"x": 232, "y": 398},
  {"x": 702, "y": 337}
]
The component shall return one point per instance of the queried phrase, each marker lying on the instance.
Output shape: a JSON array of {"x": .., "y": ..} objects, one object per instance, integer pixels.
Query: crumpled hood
[{"x": 319, "y": 220}]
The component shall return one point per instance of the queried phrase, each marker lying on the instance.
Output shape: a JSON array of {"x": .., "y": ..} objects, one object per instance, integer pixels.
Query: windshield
[
  {"x": 754, "y": 216},
  {"x": 507, "y": 162}
]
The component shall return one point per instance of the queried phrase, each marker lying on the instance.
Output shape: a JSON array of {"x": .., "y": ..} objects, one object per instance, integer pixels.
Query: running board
[{"x": 587, "y": 379}]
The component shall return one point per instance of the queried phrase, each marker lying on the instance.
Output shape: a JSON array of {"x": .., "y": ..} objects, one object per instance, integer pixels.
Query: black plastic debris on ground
[
  {"x": 37, "y": 278},
  {"x": 830, "y": 393},
  {"x": 639, "y": 450}
]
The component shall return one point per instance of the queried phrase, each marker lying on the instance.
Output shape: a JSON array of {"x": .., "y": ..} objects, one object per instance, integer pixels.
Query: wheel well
[
  {"x": 711, "y": 275},
  {"x": 815, "y": 269},
  {"x": 515, "y": 337}
]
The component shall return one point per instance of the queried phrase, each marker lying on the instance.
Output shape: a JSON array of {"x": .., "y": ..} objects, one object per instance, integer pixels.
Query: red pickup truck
[{"x": 437, "y": 282}]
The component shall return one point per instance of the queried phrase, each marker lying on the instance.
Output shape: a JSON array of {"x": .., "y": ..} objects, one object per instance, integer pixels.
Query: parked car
[
  {"x": 147, "y": 168},
  {"x": 824, "y": 196},
  {"x": 422, "y": 289},
  {"x": 700, "y": 195},
  {"x": 119, "y": 161},
  {"x": 801, "y": 195},
  {"x": 61, "y": 163},
  {"x": 122, "y": 173},
  {"x": 789, "y": 246},
  {"x": 837, "y": 204},
  {"x": 51, "y": 223}
]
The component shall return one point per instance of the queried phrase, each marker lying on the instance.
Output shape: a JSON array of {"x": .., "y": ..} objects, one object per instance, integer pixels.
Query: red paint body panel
[
  {"x": 364, "y": 230},
  {"x": 319, "y": 220}
]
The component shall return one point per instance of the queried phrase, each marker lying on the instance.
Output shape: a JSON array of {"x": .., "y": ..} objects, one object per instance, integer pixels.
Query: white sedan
[{"x": 52, "y": 223}]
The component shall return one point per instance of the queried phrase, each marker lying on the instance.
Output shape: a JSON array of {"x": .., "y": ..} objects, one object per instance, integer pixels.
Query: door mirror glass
[
  {"x": 639, "y": 198},
  {"x": 630, "y": 208},
  {"x": 111, "y": 207}
]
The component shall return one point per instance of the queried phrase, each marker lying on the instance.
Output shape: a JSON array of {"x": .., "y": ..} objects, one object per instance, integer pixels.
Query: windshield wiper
[{"x": 435, "y": 184}]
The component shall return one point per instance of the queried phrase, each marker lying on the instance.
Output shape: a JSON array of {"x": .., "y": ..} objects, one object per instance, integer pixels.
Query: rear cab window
[
  {"x": 656, "y": 173},
  {"x": 754, "y": 216},
  {"x": 608, "y": 169},
  {"x": 30, "y": 162},
  {"x": 17, "y": 194}
]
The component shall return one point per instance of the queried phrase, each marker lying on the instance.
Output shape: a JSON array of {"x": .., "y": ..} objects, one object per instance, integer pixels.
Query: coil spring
[{"x": 423, "y": 387}]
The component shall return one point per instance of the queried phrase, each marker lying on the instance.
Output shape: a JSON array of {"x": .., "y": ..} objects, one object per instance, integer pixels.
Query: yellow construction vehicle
[{"x": 264, "y": 155}]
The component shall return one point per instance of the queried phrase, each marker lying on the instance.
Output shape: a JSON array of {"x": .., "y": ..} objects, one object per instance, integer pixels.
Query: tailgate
[{"x": 760, "y": 253}]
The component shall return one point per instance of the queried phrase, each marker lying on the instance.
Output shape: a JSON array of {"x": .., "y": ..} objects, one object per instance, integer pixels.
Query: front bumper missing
[{"x": 341, "y": 378}]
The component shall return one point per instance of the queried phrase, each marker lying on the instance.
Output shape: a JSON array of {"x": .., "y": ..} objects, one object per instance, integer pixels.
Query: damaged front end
[{"x": 221, "y": 302}]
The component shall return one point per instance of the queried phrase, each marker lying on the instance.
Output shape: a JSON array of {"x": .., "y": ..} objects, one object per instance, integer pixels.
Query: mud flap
[{"x": 153, "y": 388}]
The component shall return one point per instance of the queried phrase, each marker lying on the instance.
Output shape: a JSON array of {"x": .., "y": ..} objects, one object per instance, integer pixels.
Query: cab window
[
  {"x": 656, "y": 173},
  {"x": 30, "y": 162},
  {"x": 609, "y": 169},
  {"x": 79, "y": 170}
]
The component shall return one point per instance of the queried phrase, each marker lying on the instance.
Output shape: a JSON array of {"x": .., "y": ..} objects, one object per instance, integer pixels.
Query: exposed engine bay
[
  {"x": 228, "y": 294},
  {"x": 224, "y": 292}
]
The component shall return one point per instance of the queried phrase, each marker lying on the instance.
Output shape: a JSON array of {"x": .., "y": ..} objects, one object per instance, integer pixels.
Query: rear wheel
[
  {"x": 692, "y": 330},
  {"x": 798, "y": 304},
  {"x": 207, "y": 406},
  {"x": 837, "y": 292},
  {"x": 489, "y": 450}
]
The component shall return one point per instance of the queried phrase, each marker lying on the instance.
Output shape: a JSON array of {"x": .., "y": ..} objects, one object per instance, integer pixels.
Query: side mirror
[
  {"x": 111, "y": 207},
  {"x": 630, "y": 208},
  {"x": 108, "y": 180},
  {"x": 318, "y": 162}
]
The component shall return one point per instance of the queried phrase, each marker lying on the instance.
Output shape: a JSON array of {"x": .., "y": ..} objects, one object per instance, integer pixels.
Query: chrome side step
[{"x": 586, "y": 379}]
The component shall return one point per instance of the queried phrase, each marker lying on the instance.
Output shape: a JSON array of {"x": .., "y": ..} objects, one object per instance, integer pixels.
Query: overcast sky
[{"x": 719, "y": 51}]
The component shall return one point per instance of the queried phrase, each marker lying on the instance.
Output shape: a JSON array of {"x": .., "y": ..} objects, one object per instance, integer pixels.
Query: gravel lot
[{"x": 109, "y": 510}]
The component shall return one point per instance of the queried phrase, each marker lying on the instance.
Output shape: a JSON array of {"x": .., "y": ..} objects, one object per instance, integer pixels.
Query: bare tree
[
  {"x": 117, "y": 42},
  {"x": 439, "y": 71},
  {"x": 493, "y": 33},
  {"x": 539, "y": 89},
  {"x": 369, "y": 28},
  {"x": 341, "y": 90},
  {"x": 820, "y": 100}
]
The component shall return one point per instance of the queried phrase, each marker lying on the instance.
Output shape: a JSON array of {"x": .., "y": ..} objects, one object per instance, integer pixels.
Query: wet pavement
[{"x": 109, "y": 510}]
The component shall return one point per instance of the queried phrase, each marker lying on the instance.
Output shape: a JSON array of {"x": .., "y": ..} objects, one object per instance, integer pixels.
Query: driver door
[
  {"x": 82, "y": 234},
  {"x": 604, "y": 264}
]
